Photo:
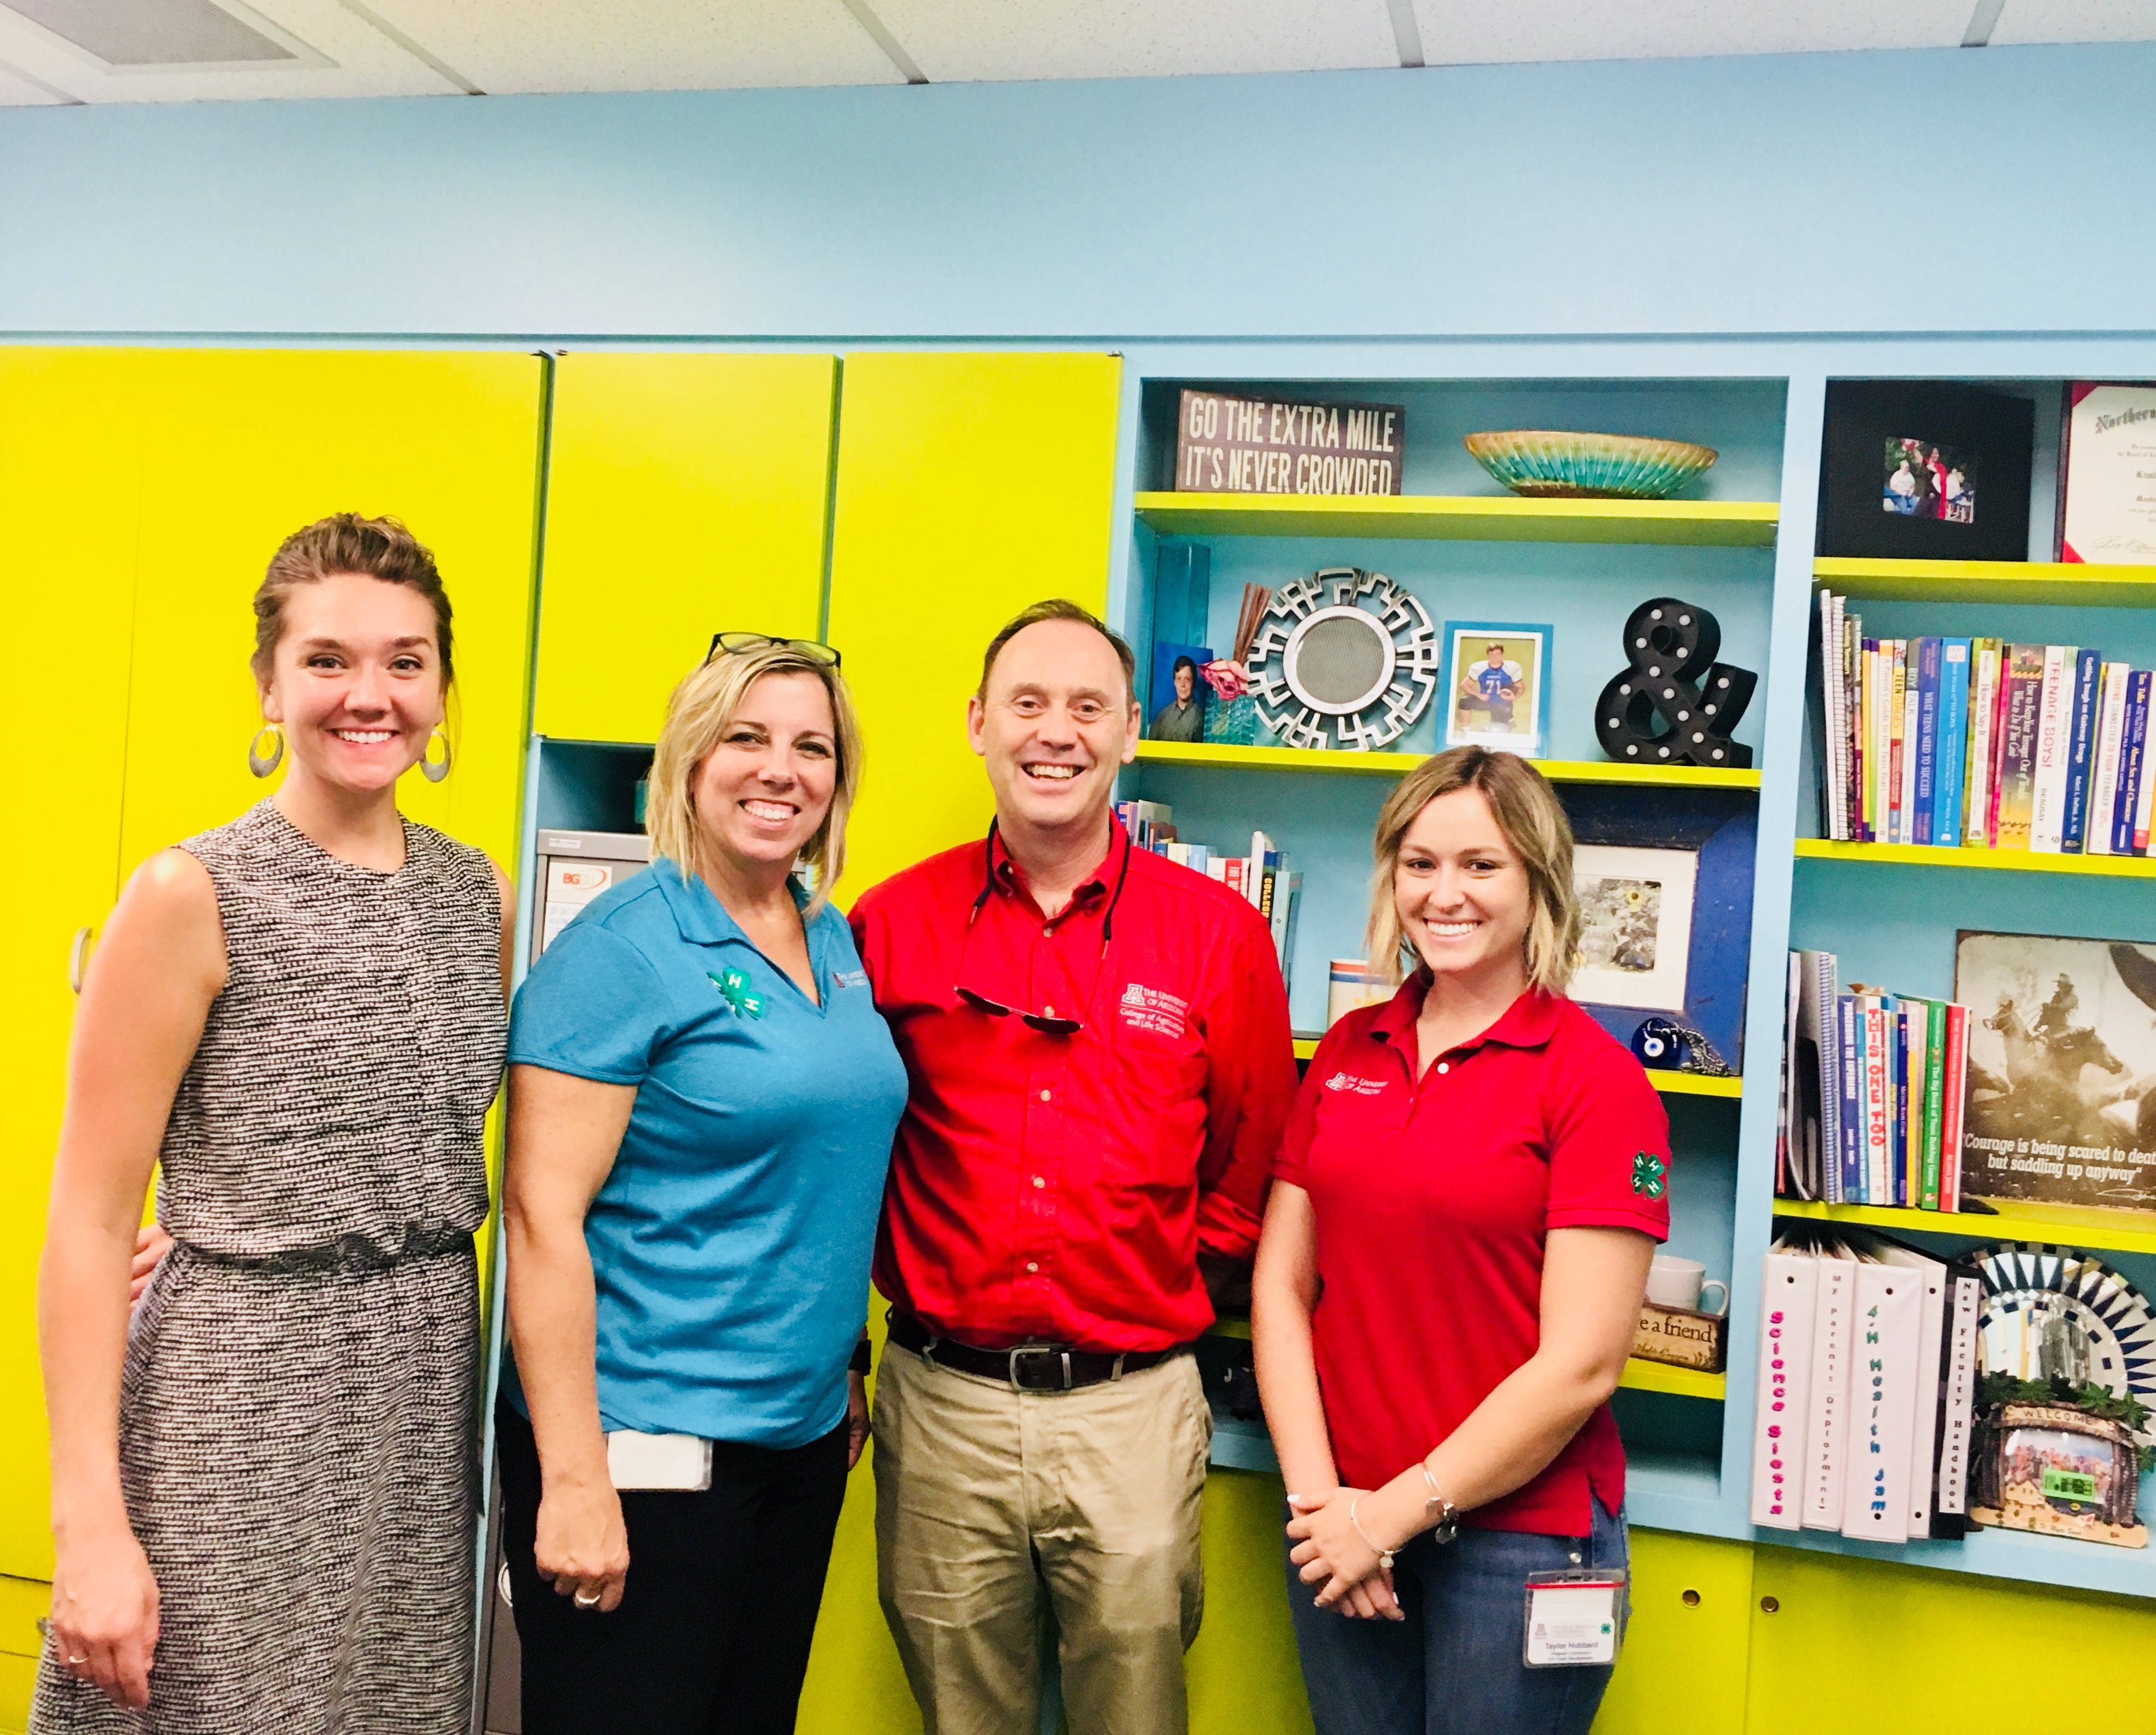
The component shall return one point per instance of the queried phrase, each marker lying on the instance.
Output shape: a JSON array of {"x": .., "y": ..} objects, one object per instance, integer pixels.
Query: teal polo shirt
[{"x": 731, "y": 1243}]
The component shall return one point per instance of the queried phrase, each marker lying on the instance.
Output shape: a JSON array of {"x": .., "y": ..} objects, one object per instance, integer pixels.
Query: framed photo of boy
[{"x": 1496, "y": 686}]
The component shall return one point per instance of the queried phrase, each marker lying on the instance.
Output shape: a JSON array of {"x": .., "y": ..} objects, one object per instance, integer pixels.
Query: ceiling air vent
[{"x": 153, "y": 33}]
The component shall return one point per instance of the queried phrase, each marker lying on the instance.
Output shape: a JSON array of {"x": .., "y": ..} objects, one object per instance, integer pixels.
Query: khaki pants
[{"x": 987, "y": 1497}]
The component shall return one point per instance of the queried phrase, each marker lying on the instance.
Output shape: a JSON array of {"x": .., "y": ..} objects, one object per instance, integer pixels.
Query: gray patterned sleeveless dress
[{"x": 299, "y": 1413}]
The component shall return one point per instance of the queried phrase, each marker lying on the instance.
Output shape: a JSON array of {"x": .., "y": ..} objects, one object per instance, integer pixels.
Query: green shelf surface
[
  {"x": 2012, "y": 1554},
  {"x": 1991, "y": 581},
  {"x": 1644, "y": 1376},
  {"x": 2008, "y": 861},
  {"x": 1495, "y": 518},
  {"x": 2015, "y": 1220},
  {"x": 1394, "y": 765}
]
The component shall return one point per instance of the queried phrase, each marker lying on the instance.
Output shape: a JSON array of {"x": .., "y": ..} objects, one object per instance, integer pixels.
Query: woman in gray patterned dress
[{"x": 265, "y": 1486}]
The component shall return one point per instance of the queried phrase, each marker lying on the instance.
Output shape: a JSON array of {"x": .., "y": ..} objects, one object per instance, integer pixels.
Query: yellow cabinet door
[
  {"x": 247, "y": 446},
  {"x": 1683, "y": 1662},
  {"x": 686, "y": 495},
  {"x": 968, "y": 486},
  {"x": 69, "y": 485},
  {"x": 1852, "y": 1644},
  {"x": 1244, "y": 1678}
]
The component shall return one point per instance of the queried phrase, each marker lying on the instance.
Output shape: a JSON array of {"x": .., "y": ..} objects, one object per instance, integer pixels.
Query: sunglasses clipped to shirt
[
  {"x": 735, "y": 644},
  {"x": 1048, "y": 1023}
]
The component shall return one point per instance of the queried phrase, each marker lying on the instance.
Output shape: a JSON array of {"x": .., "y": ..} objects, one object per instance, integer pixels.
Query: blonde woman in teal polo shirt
[{"x": 702, "y": 1098}]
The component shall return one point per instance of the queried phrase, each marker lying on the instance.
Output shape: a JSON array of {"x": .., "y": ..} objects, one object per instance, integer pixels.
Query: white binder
[
  {"x": 1926, "y": 1375},
  {"x": 1827, "y": 1420},
  {"x": 1787, "y": 1299},
  {"x": 1959, "y": 1414},
  {"x": 1885, "y": 1330}
]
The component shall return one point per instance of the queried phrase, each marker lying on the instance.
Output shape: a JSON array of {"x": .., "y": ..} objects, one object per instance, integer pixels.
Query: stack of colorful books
[
  {"x": 1876, "y": 1092},
  {"x": 1262, "y": 876},
  {"x": 1981, "y": 744}
]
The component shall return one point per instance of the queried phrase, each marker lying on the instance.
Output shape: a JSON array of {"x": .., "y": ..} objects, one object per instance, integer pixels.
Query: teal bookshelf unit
[{"x": 1738, "y": 542}]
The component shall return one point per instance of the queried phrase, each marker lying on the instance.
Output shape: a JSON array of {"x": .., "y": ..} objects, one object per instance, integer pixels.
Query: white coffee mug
[{"x": 1674, "y": 1282}]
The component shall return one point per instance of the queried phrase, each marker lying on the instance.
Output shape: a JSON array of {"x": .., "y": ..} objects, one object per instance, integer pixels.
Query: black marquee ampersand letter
[{"x": 1675, "y": 705}]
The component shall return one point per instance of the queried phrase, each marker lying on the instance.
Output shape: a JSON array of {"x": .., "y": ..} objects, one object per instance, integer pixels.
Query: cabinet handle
[{"x": 75, "y": 955}]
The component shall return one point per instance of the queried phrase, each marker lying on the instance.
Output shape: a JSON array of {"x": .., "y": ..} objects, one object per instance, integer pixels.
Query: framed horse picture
[{"x": 2061, "y": 1100}]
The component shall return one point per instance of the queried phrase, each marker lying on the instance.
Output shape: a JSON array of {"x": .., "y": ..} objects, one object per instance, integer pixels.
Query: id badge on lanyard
[
  {"x": 679, "y": 1463},
  {"x": 1575, "y": 1619}
]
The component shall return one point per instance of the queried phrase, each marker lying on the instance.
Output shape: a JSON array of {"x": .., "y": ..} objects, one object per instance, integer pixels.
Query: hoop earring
[
  {"x": 261, "y": 764},
  {"x": 434, "y": 770}
]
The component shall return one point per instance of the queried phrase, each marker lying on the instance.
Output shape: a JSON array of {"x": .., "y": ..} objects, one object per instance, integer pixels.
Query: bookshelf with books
[
  {"x": 1986, "y": 715},
  {"x": 1456, "y": 543},
  {"x": 2019, "y": 748},
  {"x": 1261, "y": 876},
  {"x": 1882, "y": 907}
]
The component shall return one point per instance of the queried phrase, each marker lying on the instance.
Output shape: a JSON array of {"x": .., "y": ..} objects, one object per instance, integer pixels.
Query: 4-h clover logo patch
[
  {"x": 1647, "y": 1172},
  {"x": 734, "y": 985}
]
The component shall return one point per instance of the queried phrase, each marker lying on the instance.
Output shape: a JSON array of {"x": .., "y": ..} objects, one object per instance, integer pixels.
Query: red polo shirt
[
  {"x": 1432, "y": 1199},
  {"x": 1057, "y": 1188}
]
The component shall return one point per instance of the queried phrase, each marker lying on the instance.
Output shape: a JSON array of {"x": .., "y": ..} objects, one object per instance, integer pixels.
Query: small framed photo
[
  {"x": 1919, "y": 469},
  {"x": 1635, "y": 926},
  {"x": 1178, "y": 693},
  {"x": 1496, "y": 686}
]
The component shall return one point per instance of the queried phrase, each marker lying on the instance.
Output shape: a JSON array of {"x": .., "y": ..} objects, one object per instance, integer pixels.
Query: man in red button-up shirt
[{"x": 1100, "y": 1065}]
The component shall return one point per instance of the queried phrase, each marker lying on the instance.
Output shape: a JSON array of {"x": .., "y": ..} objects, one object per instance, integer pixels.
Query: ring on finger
[{"x": 587, "y": 1600}]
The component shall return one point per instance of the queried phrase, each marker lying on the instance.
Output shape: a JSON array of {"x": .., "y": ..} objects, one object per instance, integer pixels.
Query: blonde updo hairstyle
[
  {"x": 699, "y": 712},
  {"x": 1533, "y": 822}
]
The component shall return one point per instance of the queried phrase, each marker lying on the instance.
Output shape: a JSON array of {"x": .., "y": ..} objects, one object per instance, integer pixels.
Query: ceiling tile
[
  {"x": 2075, "y": 21},
  {"x": 1456, "y": 32},
  {"x": 520, "y": 45},
  {"x": 342, "y": 56},
  {"x": 20, "y": 93},
  {"x": 171, "y": 32},
  {"x": 963, "y": 39}
]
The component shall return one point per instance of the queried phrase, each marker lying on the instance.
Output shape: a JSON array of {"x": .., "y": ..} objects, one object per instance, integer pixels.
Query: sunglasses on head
[{"x": 730, "y": 644}]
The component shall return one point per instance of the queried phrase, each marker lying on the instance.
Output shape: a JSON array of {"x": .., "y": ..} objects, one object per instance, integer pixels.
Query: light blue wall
[{"x": 2000, "y": 190}]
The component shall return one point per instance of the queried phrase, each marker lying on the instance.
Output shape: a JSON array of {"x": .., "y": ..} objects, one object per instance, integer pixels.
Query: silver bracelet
[
  {"x": 1448, "y": 1521},
  {"x": 1384, "y": 1554}
]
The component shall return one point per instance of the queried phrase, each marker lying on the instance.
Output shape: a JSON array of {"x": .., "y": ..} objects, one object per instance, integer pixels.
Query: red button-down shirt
[
  {"x": 1432, "y": 1199},
  {"x": 1057, "y": 1188}
]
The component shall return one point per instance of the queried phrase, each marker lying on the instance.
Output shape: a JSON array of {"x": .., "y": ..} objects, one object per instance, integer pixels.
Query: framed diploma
[{"x": 2107, "y": 474}]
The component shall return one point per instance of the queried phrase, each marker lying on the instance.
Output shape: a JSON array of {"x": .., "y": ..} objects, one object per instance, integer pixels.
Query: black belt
[
  {"x": 1027, "y": 1367},
  {"x": 348, "y": 1253}
]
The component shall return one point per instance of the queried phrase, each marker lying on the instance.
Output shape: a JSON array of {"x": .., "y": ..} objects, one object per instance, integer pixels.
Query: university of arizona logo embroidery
[
  {"x": 1154, "y": 1010},
  {"x": 1360, "y": 1086}
]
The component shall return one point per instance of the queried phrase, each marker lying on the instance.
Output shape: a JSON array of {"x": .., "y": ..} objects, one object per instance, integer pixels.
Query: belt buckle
[{"x": 1039, "y": 1349}]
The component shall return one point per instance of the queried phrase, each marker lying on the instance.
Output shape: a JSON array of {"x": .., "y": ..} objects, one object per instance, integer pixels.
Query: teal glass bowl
[{"x": 1543, "y": 464}]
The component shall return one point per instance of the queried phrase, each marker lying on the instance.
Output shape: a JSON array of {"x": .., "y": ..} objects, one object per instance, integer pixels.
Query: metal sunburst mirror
[
  {"x": 1344, "y": 658},
  {"x": 2059, "y": 1313}
]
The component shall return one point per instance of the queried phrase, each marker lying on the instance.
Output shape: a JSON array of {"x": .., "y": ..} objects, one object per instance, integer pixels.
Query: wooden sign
[
  {"x": 1258, "y": 446},
  {"x": 1680, "y": 1337}
]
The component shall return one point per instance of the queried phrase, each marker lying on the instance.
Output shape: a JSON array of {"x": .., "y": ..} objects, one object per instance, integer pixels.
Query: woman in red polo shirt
[{"x": 1470, "y": 1188}]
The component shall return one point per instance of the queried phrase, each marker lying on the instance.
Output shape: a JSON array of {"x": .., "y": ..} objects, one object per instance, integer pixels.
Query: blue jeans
[{"x": 1453, "y": 1666}]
